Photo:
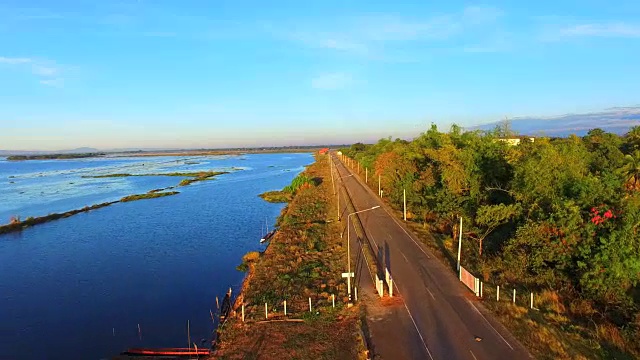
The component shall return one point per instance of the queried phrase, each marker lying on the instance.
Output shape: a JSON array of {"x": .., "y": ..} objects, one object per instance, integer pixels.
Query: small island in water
[{"x": 53, "y": 156}]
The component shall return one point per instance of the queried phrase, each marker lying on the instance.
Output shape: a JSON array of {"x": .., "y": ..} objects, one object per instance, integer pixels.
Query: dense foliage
[{"x": 547, "y": 213}]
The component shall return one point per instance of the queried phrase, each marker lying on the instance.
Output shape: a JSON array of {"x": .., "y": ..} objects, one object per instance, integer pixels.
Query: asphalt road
[{"x": 447, "y": 321}]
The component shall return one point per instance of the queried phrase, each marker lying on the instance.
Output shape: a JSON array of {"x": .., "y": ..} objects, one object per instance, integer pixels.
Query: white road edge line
[
  {"x": 488, "y": 323},
  {"x": 472, "y": 354}
]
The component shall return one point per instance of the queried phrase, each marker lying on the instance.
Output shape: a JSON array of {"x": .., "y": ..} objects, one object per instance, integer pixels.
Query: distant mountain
[
  {"x": 82, "y": 150},
  {"x": 616, "y": 120}
]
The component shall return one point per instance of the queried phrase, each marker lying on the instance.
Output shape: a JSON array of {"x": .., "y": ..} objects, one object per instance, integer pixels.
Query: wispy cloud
[
  {"x": 481, "y": 14},
  {"x": 14, "y": 61},
  {"x": 380, "y": 36},
  {"x": 331, "y": 81},
  {"x": 602, "y": 30},
  {"x": 47, "y": 71},
  {"x": 160, "y": 34},
  {"x": 57, "y": 82}
]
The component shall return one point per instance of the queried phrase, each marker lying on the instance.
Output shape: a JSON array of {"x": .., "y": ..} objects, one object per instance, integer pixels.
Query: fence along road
[{"x": 443, "y": 311}]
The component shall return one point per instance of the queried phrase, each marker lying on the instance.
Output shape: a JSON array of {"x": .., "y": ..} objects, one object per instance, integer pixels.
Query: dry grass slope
[{"x": 305, "y": 259}]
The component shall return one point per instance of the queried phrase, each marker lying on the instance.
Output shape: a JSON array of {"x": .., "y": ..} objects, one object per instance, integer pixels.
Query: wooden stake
[
  {"x": 309, "y": 304},
  {"x": 242, "y": 312},
  {"x": 333, "y": 300},
  {"x": 285, "y": 308},
  {"x": 498, "y": 293}
]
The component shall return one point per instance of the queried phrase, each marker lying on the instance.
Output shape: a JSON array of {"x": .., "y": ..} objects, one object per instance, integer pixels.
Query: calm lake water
[{"x": 78, "y": 287}]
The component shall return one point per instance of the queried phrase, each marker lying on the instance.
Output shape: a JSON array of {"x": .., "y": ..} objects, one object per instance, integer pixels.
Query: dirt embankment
[{"x": 303, "y": 261}]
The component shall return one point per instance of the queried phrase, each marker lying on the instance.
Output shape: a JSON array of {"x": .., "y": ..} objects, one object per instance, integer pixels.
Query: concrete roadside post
[
  {"x": 532, "y": 300},
  {"x": 404, "y": 200},
  {"x": 460, "y": 243}
]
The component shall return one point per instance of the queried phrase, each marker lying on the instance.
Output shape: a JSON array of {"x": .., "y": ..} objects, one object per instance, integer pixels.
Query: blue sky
[{"x": 146, "y": 73}]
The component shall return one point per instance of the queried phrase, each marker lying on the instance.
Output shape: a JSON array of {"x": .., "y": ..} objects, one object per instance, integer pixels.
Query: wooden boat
[
  {"x": 167, "y": 352},
  {"x": 268, "y": 236},
  {"x": 225, "y": 309}
]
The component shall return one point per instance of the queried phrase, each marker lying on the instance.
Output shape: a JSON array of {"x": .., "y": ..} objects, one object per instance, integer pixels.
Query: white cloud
[
  {"x": 331, "y": 81},
  {"x": 57, "y": 82},
  {"x": 14, "y": 61},
  {"x": 384, "y": 36},
  {"x": 602, "y": 30},
  {"x": 47, "y": 71},
  {"x": 160, "y": 34},
  {"x": 44, "y": 70},
  {"x": 343, "y": 45},
  {"x": 481, "y": 14}
]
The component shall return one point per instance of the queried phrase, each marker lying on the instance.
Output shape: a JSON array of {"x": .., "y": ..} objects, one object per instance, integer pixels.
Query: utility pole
[
  {"x": 460, "y": 243},
  {"x": 331, "y": 171},
  {"x": 338, "y": 205},
  {"x": 404, "y": 199},
  {"x": 366, "y": 175}
]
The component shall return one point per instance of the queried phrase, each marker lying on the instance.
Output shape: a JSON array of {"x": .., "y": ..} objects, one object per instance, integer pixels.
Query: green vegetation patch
[
  {"x": 149, "y": 195},
  {"x": 276, "y": 196}
]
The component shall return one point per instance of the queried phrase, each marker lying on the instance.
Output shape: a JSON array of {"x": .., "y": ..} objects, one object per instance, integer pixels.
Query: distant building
[
  {"x": 515, "y": 141},
  {"x": 323, "y": 151}
]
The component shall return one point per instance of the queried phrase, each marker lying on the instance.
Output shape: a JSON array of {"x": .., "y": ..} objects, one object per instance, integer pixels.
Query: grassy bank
[
  {"x": 304, "y": 260},
  {"x": 276, "y": 196}
]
